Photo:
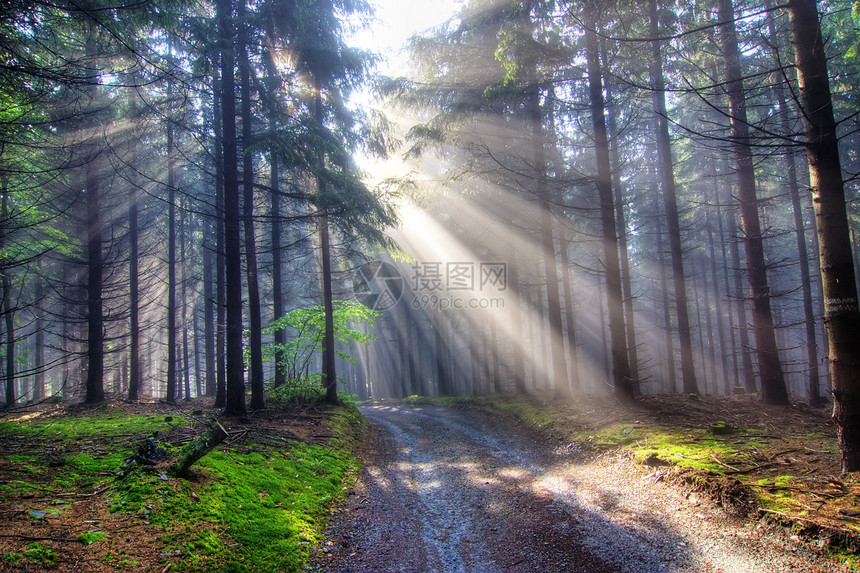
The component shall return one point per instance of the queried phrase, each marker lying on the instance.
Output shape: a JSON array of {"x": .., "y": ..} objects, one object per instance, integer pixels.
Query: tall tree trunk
[
  {"x": 280, "y": 335},
  {"x": 171, "y": 250},
  {"x": 671, "y": 383},
  {"x": 570, "y": 318},
  {"x": 560, "y": 382},
  {"x": 235, "y": 390},
  {"x": 516, "y": 289},
  {"x": 133, "y": 269},
  {"x": 8, "y": 312},
  {"x": 790, "y": 158},
  {"x": 255, "y": 334},
  {"x": 620, "y": 220},
  {"x": 184, "y": 303},
  {"x": 842, "y": 317},
  {"x": 95, "y": 264},
  {"x": 329, "y": 377},
  {"x": 39, "y": 390},
  {"x": 670, "y": 200},
  {"x": 734, "y": 378},
  {"x": 620, "y": 365},
  {"x": 747, "y": 370},
  {"x": 773, "y": 389},
  {"x": 208, "y": 316},
  {"x": 718, "y": 302},
  {"x": 220, "y": 263}
]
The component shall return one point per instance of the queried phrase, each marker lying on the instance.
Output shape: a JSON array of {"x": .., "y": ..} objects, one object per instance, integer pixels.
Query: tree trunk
[
  {"x": 516, "y": 288},
  {"x": 220, "y": 263},
  {"x": 279, "y": 335},
  {"x": 184, "y": 304},
  {"x": 133, "y": 271},
  {"x": 773, "y": 389},
  {"x": 620, "y": 220},
  {"x": 329, "y": 377},
  {"x": 671, "y": 375},
  {"x": 208, "y": 317},
  {"x": 235, "y": 390},
  {"x": 733, "y": 379},
  {"x": 620, "y": 365},
  {"x": 842, "y": 317},
  {"x": 39, "y": 390},
  {"x": 8, "y": 313},
  {"x": 559, "y": 382},
  {"x": 95, "y": 265},
  {"x": 790, "y": 158},
  {"x": 718, "y": 303},
  {"x": 670, "y": 200},
  {"x": 171, "y": 251},
  {"x": 255, "y": 333},
  {"x": 570, "y": 318}
]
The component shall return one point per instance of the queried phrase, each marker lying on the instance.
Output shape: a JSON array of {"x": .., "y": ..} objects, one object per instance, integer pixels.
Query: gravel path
[{"x": 455, "y": 490}]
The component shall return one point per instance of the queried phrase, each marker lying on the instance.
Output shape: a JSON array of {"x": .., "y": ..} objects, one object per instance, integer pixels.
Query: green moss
[
  {"x": 529, "y": 413},
  {"x": 261, "y": 510},
  {"x": 38, "y": 553},
  {"x": 846, "y": 557},
  {"x": 90, "y": 537},
  {"x": 12, "y": 557}
]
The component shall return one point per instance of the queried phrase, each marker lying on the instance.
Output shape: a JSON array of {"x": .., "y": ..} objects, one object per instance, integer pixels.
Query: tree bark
[
  {"x": 329, "y": 377},
  {"x": 620, "y": 220},
  {"x": 171, "y": 251},
  {"x": 620, "y": 365},
  {"x": 220, "y": 263},
  {"x": 133, "y": 270},
  {"x": 95, "y": 264},
  {"x": 790, "y": 159},
  {"x": 842, "y": 317},
  {"x": 560, "y": 382},
  {"x": 8, "y": 312},
  {"x": 670, "y": 200},
  {"x": 773, "y": 389},
  {"x": 255, "y": 333},
  {"x": 235, "y": 384},
  {"x": 208, "y": 316}
]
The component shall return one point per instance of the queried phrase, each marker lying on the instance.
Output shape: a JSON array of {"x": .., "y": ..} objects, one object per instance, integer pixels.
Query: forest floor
[
  {"x": 674, "y": 484},
  {"x": 70, "y": 502},
  {"x": 481, "y": 484}
]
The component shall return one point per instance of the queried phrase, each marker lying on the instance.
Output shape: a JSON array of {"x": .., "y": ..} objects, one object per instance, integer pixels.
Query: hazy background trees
[{"x": 605, "y": 196}]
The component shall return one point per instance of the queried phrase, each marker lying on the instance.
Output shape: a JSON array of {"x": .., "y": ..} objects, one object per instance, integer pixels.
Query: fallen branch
[
  {"x": 199, "y": 447},
  {"x": 38, "y": 538},
  {"x": 752, "y": 469}
]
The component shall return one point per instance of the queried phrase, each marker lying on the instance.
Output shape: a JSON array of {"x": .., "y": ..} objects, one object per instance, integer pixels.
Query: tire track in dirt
[{"x": 456, "y": 490}]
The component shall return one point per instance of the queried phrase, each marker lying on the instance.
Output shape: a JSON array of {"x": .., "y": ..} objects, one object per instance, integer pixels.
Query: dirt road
[{"x": 455, "y": 490}]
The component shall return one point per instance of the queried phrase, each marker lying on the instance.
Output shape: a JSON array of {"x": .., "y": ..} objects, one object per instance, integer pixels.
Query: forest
[{"x": 580, "y": 198}]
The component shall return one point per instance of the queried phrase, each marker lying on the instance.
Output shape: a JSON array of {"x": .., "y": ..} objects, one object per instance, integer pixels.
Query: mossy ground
[{"x": 258, "y": 503}]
